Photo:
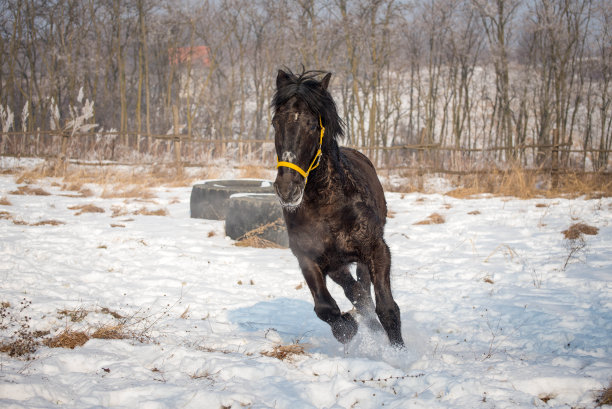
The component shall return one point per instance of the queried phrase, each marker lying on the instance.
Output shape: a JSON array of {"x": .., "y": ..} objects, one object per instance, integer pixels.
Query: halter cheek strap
[{"x": 313, "y": 165}]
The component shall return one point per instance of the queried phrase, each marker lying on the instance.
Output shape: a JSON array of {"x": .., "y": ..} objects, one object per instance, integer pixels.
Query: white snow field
[{"x": 498, "y": 309}]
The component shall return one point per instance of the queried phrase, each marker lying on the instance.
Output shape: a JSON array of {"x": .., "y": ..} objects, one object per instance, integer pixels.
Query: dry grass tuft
[
  {"x": 433, "y": 218},
  {"x": 146, "y": 212},
  {"x": 31, "y": 191},
  {"x": 118, "y": 211},
  {"x": 110, "y": 332},
  {"x": 8, "y": 216},
  {"x": 126, "y": 192},
  {"x": 254, "y": 237},
  {"x": 5, "y": 202},
  {"x": 19, "y": 222},
  {"x": 81, "y": 191},
  {"x": 474, "y": 212},
  {"x": 284, "y": 352},
  {"x": 87, "y": 208},
  {"x": 67, "y": 339},
  {"x": 48, "y": 223},
  {"x": 606, "y": 396},
  {"x": 546, "y": 397},
  {"x": 257, "y": 242},
  {"x": 576, "y": 230}
]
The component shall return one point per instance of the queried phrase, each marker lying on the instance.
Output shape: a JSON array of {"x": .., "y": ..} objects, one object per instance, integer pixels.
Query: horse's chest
[{"x": 326, "y": 232}]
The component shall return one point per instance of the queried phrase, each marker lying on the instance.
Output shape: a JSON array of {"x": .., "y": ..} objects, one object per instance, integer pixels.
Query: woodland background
[{"x": 454, "y": 85}]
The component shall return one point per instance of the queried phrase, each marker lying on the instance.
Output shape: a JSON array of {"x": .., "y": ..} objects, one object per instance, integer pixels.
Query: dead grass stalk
[{"x": 606, "y": 396}]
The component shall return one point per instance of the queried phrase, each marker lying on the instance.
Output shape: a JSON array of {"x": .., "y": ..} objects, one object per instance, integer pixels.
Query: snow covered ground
[{"x": 499, "y": 310}]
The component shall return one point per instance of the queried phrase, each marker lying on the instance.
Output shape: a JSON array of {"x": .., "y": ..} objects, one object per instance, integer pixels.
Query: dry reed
[{"x": 526, "y": 184}]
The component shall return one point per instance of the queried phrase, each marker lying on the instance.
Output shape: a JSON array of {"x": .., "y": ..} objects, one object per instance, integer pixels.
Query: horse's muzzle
[{"x": 289, "y": 190}]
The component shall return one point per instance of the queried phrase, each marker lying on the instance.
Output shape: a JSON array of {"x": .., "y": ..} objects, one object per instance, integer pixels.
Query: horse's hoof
[
  {"x": 397, "y": 342},
  {"x": 345, "y": 328}
]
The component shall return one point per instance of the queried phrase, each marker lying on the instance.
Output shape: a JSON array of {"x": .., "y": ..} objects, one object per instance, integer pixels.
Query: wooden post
[
  {"x": 177, "y": 141},
  {"x": 554, "y": 164}
]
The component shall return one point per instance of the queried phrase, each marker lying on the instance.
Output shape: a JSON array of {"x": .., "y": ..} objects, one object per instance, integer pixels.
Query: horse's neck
[{"x": 329, "y": 174}]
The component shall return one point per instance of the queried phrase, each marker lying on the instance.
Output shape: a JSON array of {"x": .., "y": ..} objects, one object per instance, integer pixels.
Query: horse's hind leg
[
  {"x": 363, "y": 276},
  {"x": 358, "y": 292},
  {"x": 386, "y": 308}
]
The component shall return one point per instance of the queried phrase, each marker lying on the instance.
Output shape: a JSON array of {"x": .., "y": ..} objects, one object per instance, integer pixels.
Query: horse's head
[{"x": 299, "y": 133}]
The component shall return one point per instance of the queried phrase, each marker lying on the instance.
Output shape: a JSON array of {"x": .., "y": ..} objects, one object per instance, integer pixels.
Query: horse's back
[{"x": 361, "y": 170}]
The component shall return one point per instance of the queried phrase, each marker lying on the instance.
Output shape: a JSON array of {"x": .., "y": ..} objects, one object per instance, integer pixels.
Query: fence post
[
  {"x": 555, "y": 159},
  {"x": 177, "y": 141}
]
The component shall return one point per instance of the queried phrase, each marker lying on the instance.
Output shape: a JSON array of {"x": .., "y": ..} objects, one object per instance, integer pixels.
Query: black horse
[{"x": 334, "y": 207}]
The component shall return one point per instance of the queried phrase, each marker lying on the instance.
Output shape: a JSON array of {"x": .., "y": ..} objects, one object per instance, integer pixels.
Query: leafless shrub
[
  {"x": 16, "y": 338},
  {"x": 575, "y": 241},
  {"x": 75, "y": 315},
  {"x": 111, "y": 331}
]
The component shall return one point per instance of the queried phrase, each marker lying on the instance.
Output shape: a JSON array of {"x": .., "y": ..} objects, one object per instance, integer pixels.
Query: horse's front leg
[
  {"x": 358, "y": 292},
  {"x": 343, "y": 326}
]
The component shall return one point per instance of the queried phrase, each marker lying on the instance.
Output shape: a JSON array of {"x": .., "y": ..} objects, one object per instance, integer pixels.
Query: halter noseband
[{"x": 315, "y": 162}]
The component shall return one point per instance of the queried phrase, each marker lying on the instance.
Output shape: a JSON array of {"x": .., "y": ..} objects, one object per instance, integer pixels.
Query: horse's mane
[{"x": 307, "y": 88}]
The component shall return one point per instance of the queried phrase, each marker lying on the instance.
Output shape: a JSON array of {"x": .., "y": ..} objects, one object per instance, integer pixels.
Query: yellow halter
[{"x": 315, "y": 161}]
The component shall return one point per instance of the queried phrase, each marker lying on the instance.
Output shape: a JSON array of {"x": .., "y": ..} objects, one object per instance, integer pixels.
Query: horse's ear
[
  {"x": 282, "y": 79},
  {"x": 325, "y": 81}
]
